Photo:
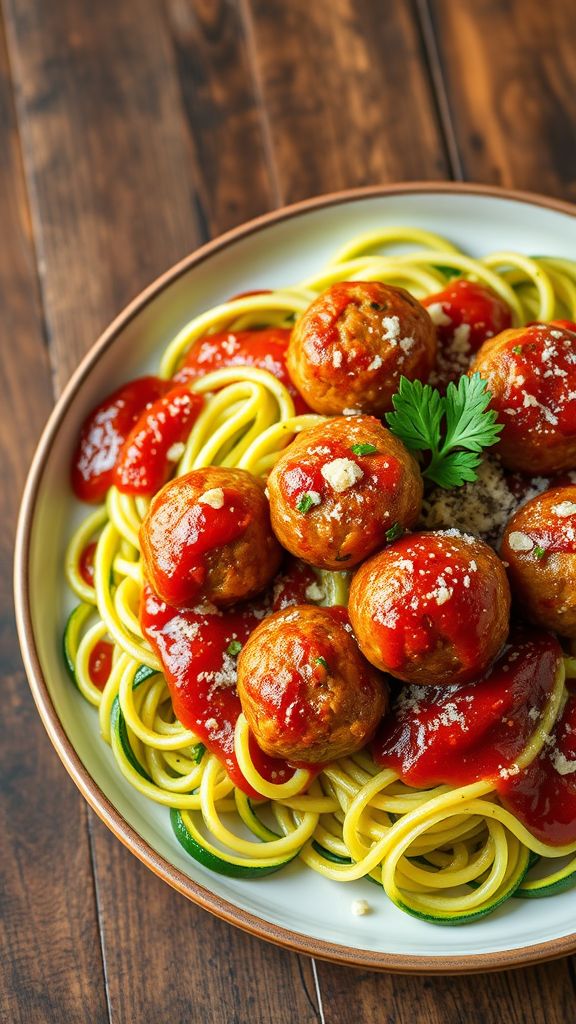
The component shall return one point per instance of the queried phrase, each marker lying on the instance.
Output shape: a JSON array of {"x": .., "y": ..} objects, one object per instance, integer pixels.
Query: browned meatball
[
  {"x": 306, "y": 691},
  {"x": 207, "y": 536},
  {"x": 349, "y": 349},
  {"x": 432, "y": 608},
  {"x": 539, "y": 546},
  {"x": 531, "y": 372},
  {"x": 341, "y": 490}
]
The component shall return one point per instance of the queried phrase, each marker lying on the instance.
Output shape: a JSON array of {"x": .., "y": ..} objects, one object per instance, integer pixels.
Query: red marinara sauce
[
  {"x": 105, "y": 431},
  {"x": 465, "y": 314},
  {"x": 198, "y": 650},
  {"x": 543, "y": 796},
  {"x": 303, "y": 476},
  {"x": 265, "y": 349},
  {"x": 460, "y": 734},
  {"x": 152, "y": 447},
  {"x": 86, "y": 563},
  {"x": 100, "y": 663}
]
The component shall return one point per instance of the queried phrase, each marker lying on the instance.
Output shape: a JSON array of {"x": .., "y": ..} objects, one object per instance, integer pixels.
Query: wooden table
[{"x": 132, "y": 130}]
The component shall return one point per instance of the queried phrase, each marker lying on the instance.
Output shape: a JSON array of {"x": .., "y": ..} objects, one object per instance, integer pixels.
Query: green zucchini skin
[
  {"x": 72, "y": 630},
  {"x": 218, "y": 864}
]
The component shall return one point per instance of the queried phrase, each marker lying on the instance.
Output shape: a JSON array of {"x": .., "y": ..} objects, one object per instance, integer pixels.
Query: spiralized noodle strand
[{"x": 444, "y": 853}]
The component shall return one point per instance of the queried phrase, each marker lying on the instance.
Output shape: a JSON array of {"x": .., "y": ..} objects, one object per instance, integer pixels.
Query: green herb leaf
[
  {"x": 454, "y": 429},
  {"x": 306, "y": 503},
  {"x": 234, "y": 648},
  {"x": 539, "y": 552},
  {"x": 394, "y": 532},
  {"x": 364, "y": 449},
  {"x": 517, "y": 349},
  {"x": 418, "y": 412},
  {"x": 323, "y": 662}
]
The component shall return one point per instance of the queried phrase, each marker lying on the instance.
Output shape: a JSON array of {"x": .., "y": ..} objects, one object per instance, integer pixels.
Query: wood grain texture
[
  {"x": 346, "y": 92},
  {"x": 51, "y": 966},
  {"x": 233, "y": 177},
  {"x": 107, "y": 156},
  {"x": 148, "y": 125},
  {"x": 113, "y": 173},
  {"x": 534, "y": 996},
  {"x": 173, "y": 963},
  {"x": 509, "y": 76}
]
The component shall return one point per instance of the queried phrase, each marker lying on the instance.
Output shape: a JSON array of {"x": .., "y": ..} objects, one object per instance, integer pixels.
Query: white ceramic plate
[{"x": 296, "y": 908}]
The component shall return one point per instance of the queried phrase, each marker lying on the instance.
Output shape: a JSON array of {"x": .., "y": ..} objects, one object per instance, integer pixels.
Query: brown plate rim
[{"x": 320, "y": 948}]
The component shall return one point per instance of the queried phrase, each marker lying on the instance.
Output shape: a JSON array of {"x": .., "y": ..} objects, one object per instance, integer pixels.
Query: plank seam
[
  {"x": 267, "y": 139},
  {"x": 29, "y": 191},
  {"x": 97, "y": 903},
  {"x": 439, "y": 89}
]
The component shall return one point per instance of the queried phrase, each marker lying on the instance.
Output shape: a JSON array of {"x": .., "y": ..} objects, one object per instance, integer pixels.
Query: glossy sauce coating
[
  {"x": 155, "y": 443},
  {"x": 198, "y": 649},
  {"x": 350, "y": 347},
  {"x": 86, "y": 563},
  {"x": 306, "y": 691},
  {"x": 543, "y": 796},
  {"x": 104, "y": 432},
  {"x": 207, "y": 534},
  {"x": 100, "y": 663},
  {"x": 531, "y": 373},
  {"x": 432, "y": 608},
  {"x": 539, "y": 547},
  {"x": 330, "y": 504},
  {"x": 266, "y": 349},
  {"x": 460, "y": 734},
  {"x": 465, "y": 314}
]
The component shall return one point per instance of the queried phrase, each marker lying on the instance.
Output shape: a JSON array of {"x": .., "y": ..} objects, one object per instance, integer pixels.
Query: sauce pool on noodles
[{"x": 198, "y": 649}]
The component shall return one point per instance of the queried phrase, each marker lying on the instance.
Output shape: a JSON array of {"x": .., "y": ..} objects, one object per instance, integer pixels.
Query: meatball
[
  {"x": 350, "y": 347},
  {"x": 465, "y": 314},
  {"x": 341, "y": 490},
  {"x": 433, "y": 608},
  {"x": 207, "y": 536},
  {"x": 539, "y": 546},
  {"x": 531, "y": 373},
  {"x": 306, "y": 691}
]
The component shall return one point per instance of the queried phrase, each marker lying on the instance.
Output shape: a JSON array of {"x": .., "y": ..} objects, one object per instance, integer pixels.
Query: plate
[{"x": 297, "y": 908}]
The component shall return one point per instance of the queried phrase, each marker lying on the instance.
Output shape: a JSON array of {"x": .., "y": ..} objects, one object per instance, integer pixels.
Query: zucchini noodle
[{"x": 446, "y": 854}]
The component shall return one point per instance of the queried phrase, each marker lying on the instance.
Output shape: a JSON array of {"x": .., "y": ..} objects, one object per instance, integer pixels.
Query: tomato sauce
[
  {"x": 543, "y": 796},
  {"x": 433, "y": 592},
  {"x": 540, "y": 372},
  {"x": 105, "y": 431},
  {"x": 180, "y": 532},
  {"x": 472, "y": 305},
  {"x": 100, "y": 663},
  {"x": 154, "y": 444},
  {"x": 303, "y": 476},
  {"x": 198, "y": 650},
  {"x": 461, "y": 734},
  {"x": 265, "y": 349},
  {"x": 86, "y": 563}
]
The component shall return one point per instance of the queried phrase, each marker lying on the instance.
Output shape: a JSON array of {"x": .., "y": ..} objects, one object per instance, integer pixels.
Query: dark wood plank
[
  {"x": 225, "y": 118},
  {"x": 544, "y": 993},
  {"x": 119, "y": 195},
  {"x": 108, "y": 157},
  {"x": 174, "y": 963},
  {"x": 346, "y": 92},
  {"x": 51, "y": 966},
  {"x": 510, "y": 86}
]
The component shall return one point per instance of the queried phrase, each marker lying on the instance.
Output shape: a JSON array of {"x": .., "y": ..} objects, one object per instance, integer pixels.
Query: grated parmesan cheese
[
  {"x": 214, "y": 497},
  {"x": 341, "y": 474},
  {"x": 520, "y": 541},
  {"x": 360, "y": 907},
  {"x": 564, "y": 509}
]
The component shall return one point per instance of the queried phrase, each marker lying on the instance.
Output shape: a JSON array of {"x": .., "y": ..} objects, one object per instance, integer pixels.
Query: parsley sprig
[{"x": 454, "y": 428}]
